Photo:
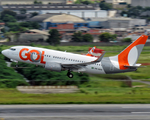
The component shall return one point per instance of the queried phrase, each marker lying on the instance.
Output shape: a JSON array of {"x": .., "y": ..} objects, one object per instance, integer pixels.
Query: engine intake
[{"x": 53, "y": 66}]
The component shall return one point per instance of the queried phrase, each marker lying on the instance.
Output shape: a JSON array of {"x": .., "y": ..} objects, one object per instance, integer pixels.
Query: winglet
[
  {"x": 100, "y": 57},
  {"x": 91, "y": 51}
]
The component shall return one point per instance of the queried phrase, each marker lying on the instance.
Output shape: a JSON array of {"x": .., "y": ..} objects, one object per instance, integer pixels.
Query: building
[
  {"x": 54, "y": 20},
  {"x": 145, "y": 13},
  {"x": 64, "y": 23},
  {"x": 119, "y": 3},
  {"x": 114, "y": 2},
  {"x": 33, "y": 35},
  {"x": 4, "y": 2},
  {"x": 143, "y": 3},
  {"x": 121, "y": 25},
  {"x": 66, "y": 30},
  {"x": 79, "y": 10},
  {"x": 95, "y": 33},
  {"x": 40, "y": 19}
]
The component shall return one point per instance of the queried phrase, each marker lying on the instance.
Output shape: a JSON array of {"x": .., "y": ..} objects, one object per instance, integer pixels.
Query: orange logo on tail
[{"x": 123, "y": 56}]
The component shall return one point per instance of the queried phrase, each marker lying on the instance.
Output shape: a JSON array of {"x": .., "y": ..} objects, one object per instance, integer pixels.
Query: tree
[
  {"x": 146, "y": 8},
  {"x": 25, "y": 24},
  {"x": 106, "y": 37},
  {"x": 8, "y": 12},
  {"x": 54, "y": 37},
  {"x": 83, "y": 2},
  {"x": 127, "y": 40},
  {"x": 133, "y": 11},
  {"x": 41, "y": 76},
  {"x": 105, "y": 6},
  {"x": 113, "y": 37},
  {"x": 30, "y": 25},
  {"x": 87, "y": 38},
  {"x": 22, "y": 26},
  {"x": 3, "y": 30},
  {"x": 77, "y": 37},
  {"x": 34, "y": 25},
  {"x": 128, "y": 6},
  {"x": 86, "y": 2},
  {"x": 36, "y": 2},
  {"x": 9, "y": 18},
  {"x": 34, "y": 14},
  {"x": 123, "y": 13}
]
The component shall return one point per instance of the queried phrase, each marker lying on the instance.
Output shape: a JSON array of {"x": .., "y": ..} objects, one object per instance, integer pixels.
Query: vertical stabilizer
[{"x": 130, "y": 55}]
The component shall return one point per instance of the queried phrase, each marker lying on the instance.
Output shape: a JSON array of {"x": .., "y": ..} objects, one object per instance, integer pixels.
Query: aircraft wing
[{"x": 80, "y": 65}]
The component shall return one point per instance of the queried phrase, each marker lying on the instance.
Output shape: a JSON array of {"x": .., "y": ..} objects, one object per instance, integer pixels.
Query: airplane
[{"x": 59, "y": 61}]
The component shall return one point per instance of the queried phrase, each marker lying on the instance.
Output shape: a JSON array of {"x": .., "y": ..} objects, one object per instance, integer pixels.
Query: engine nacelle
[{"x": 53, "y": 66}]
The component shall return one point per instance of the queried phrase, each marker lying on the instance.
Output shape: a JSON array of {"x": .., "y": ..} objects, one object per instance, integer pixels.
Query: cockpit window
[{"x": 13, "y": 49}]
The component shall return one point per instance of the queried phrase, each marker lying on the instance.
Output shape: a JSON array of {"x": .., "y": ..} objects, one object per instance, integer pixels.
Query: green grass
[{"x": 105, "y": 95}]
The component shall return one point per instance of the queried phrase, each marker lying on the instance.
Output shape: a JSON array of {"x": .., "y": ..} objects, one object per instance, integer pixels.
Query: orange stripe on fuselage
[{"x": 123, "y": 56}]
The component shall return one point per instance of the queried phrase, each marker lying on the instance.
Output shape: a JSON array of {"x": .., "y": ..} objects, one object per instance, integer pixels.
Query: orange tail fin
[{"x": 130, "y": 55}]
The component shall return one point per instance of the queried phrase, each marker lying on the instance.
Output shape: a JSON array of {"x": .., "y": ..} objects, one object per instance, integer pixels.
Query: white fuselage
[{"x": 39, "y": 56}]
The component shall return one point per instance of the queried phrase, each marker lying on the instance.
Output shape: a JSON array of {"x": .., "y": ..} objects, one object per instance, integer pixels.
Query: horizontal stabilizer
[{"x": 134, "y": 66}]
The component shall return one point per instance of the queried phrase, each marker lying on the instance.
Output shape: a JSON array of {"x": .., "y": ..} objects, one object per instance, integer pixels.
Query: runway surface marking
[
  {"x": 141, "y": 112},
  {"x": 137, "y": 107}
]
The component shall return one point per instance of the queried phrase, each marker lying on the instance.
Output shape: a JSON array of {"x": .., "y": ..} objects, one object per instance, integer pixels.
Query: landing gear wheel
[
  {"x": 17, "y": 65},
  {"x": 70, "y": 75}
]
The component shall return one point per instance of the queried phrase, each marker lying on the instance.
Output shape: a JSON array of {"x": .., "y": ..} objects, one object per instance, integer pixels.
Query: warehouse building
[
  {"x": 143, "y": 3},
  {"x": 4, "y": 2},
  {"x": 54, "y": 19},
  {"x": 79, "y": 10}
]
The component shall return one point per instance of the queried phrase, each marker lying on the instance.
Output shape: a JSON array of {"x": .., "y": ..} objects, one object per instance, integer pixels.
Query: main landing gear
[
  {"x": 69, "y": 74},
  {"x": 16, "y": 65}
]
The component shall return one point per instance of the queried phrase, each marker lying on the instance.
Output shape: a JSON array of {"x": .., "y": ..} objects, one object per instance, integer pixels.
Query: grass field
[{"x": 105, "y": 95}]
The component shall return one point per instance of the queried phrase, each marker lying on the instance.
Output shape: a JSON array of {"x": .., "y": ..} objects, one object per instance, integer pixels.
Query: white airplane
[{"x": 58, "y": 61}]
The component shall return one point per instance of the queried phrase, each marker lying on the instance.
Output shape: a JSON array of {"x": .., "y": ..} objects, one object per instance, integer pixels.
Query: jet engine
[{"x": 53, "y": 66}]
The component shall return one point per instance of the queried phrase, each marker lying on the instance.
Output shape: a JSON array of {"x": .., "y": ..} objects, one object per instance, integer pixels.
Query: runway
[{"x": 76, "y": 112}]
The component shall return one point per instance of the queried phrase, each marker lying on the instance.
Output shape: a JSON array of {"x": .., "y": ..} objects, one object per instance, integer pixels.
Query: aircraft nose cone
[{"x": 5, "y": 52}]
